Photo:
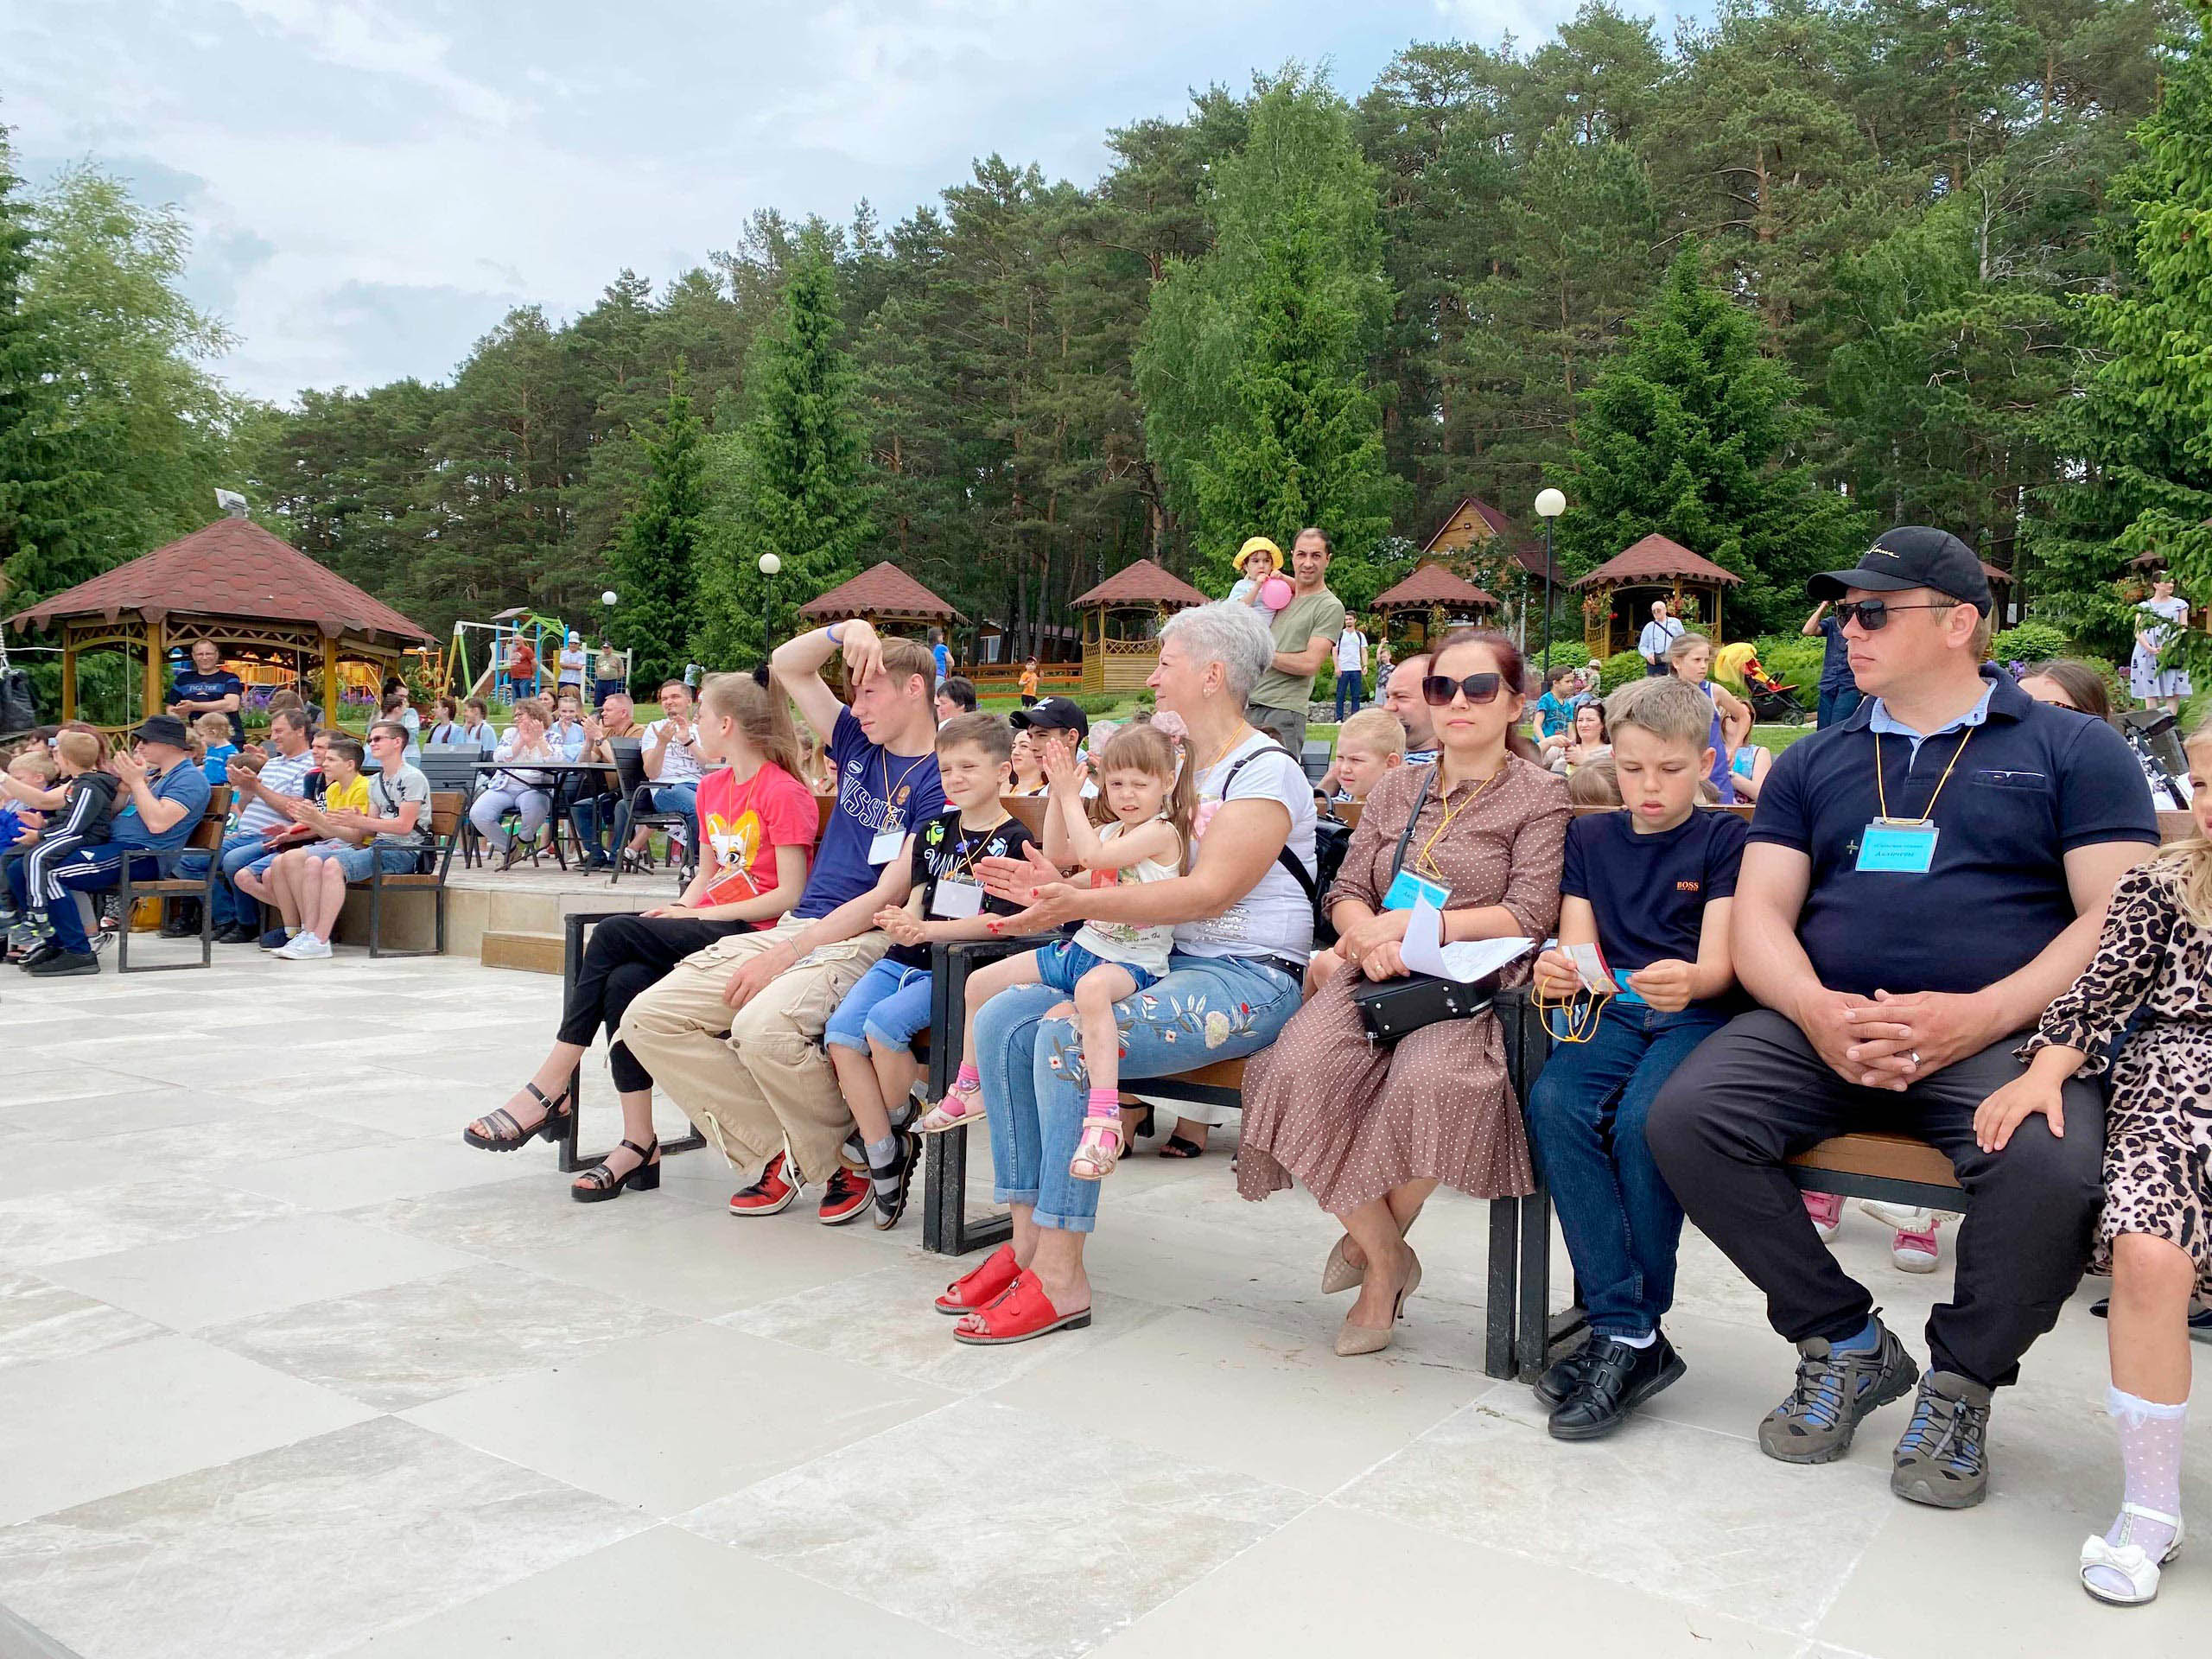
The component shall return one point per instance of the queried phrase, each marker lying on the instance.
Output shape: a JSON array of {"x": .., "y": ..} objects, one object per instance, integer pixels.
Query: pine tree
[
  {"x": 655, "y": 566},
  {"x": 791, "y": 482},
  {"x": 1303, "y": 442},
  {"x": 1690, "y": 433},
  {"x": 2144, "y": 433}
]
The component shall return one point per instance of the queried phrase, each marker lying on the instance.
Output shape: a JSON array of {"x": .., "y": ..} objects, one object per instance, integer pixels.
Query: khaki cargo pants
[{"x": 754, "y": 1081}]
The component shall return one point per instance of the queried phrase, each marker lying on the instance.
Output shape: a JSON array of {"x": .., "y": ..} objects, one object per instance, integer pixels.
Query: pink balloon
[{"x": 1275, "y": 592}]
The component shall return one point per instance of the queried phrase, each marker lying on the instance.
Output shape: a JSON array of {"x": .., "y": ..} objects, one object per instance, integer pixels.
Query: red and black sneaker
[
  {"x": 848, "y": 1197},
  {"x": 769, "y": 1196}
]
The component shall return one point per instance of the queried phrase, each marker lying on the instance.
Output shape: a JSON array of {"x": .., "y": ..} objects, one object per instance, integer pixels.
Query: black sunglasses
[
  {"x": 1438, "y": 690},
  {"x": 1871, "y": 614}
]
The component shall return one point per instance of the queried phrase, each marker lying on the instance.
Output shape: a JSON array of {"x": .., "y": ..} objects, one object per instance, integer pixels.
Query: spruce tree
[
  {"x": 2143, "y": 436},
  {"x": 655, "y": 566},
  {"x": 1691, "y": 432},
  {"x": 1303, "y": 440},
  {"x": 790, "y": 482}
]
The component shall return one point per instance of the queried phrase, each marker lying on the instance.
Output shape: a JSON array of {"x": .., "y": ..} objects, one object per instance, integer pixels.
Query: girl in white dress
[{"x": 2159, "y": 620}]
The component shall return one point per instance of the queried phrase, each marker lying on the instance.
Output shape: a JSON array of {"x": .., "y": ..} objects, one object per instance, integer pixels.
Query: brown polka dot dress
[
  {"x": 1352, "y": 1120},
  {"x": 2151, "y": 957}
]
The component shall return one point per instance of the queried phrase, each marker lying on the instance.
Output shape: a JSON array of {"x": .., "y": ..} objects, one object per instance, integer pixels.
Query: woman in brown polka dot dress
[{"x": 1373, "y": 1130}]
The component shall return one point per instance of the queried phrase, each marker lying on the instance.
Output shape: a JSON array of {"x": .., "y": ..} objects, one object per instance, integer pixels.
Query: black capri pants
[{"x": 624, "y": 956}]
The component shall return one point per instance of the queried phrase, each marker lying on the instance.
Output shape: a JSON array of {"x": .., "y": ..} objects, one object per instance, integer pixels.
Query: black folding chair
[{"x": 638, "y": 805}]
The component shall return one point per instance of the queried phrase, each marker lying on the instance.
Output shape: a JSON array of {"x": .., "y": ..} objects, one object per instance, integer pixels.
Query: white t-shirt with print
[
  {"x": 678, "y": 765},
  {"x": 1275, "y": 918}
]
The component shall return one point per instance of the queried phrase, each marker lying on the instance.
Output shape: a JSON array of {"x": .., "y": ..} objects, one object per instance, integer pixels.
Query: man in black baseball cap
[
  {"x": 1913, "y": 556},
  {"x": 1922, "y": 880},
  {"x": 1053, "y": 715}
]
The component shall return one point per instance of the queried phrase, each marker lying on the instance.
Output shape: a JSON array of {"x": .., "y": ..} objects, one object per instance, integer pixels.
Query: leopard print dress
[{"x": 2158, "y": 1129}]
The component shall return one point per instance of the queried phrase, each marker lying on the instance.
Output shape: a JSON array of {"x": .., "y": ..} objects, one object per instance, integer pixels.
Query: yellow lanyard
[
  {"x": 973, "y": 848},
  {"x": 903, "y": 777},
  {"x": 1423, "y": 862},
  {"x": 1580, "y": 1029},
  {"x": 1882, "y": 794}
]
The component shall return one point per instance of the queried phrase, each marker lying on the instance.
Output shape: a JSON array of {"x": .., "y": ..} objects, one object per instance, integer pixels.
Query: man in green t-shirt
[{"x": 1305, "y": 633}]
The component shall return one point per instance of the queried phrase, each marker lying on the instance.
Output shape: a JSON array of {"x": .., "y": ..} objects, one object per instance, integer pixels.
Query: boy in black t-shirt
[
  {"x": 1649, "y": 887},
  {"x": 928, "y": 895}
]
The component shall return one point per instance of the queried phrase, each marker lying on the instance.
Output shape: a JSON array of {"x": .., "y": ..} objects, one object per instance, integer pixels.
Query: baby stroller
[{"x": 1772, "y": 702}]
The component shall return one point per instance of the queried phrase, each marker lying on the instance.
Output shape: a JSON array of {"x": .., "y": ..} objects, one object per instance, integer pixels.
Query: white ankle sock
[
  {"x": 1644, "y": 1341},
  {"x": 2150, "y": 1455}
]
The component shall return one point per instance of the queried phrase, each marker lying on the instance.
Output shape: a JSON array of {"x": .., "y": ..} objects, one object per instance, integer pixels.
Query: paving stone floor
[{"x": 287, "y": 1370}]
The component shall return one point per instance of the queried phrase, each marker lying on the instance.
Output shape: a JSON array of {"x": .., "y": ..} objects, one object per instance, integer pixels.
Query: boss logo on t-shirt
[{"x": 1687, "y": 887}]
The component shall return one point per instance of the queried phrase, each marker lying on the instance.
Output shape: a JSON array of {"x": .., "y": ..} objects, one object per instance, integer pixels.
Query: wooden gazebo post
[
  {"x": 330, "y": 680},
  {"x": 158, "y": 651}
]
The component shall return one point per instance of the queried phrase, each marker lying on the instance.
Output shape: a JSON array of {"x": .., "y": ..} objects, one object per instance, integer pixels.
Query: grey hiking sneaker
[
  {"x": 1941, "y": 1461},
  {"x": 1833, "y": 1392}
]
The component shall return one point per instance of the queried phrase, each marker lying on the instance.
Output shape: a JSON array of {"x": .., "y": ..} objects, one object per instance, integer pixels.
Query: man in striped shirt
[{"x": 283, "y": 777}]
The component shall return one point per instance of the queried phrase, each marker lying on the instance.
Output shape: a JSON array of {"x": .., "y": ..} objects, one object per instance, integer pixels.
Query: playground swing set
[{"x": 517, "y": 653}]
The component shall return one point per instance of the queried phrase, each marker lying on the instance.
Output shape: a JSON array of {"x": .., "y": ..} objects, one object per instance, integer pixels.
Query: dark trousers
[
  {"x": 602, "y": 690},
  {"x": 1348, "y": 690},
  {"x": 1757, "y": 1092},
  {"x": 624, "y": 956},
  {"x": 1835, "y": 707},
  {"x": 1653, "y": 670}
]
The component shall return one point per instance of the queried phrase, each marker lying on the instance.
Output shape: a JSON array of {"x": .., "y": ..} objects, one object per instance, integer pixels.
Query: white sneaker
[{"x": 303, "y": 947}]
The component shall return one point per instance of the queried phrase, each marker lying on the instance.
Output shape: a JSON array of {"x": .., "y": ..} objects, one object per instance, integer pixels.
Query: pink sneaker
[
  {"x": 1916, "y": 1252},
  {"x": 1826, "y": 1211}
]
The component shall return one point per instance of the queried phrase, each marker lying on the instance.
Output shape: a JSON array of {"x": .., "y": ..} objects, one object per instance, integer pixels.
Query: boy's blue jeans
[{"x": 1586, "y": 1115}]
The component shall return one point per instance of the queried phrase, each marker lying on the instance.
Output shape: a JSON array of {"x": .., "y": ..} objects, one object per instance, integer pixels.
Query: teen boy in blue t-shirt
[
  {"x": 765, "y": 1095},
  {"x": 1650, "y": 887}
]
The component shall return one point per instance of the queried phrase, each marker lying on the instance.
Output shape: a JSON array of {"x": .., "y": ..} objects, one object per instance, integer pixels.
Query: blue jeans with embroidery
[
  {"x": 1207, "y": 1009},
  {"x": 1586, "y": 1115}
]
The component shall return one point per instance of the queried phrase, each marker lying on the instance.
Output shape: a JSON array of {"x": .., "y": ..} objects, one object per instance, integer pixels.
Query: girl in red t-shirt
[{"x": 758, "y": 822}]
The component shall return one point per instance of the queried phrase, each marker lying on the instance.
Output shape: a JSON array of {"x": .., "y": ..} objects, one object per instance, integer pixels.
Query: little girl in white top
[{"x": 1135, "y": 828}]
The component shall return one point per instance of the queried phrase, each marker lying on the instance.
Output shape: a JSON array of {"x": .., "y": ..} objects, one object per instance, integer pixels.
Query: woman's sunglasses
[
  {"x": 1437, "y": 689},
  {"x": 1871, "y": 614}
]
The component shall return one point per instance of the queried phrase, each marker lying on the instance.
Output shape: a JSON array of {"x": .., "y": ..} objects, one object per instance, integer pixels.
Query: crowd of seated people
[{"x": 1722, "y": 994}]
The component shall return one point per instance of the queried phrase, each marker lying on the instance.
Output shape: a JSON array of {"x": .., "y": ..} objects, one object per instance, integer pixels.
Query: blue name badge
[
  {"x": 1409, "y": 890},
  {"x": 1897, "y": 848}
]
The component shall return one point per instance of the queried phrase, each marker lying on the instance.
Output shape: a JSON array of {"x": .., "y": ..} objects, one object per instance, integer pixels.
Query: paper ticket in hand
[
  {"x": 1465, "y": 960},
  {"x": 1598, "y": 979}
]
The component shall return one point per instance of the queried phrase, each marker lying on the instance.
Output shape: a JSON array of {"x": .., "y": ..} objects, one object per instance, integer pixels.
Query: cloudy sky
[{"x": 372, "y": 183}]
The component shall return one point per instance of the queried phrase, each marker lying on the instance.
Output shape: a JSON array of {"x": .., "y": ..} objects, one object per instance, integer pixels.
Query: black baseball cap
[
  {"x": 1912, "y": 555},
  {"x": 1052, "y": 715},
  {"x": 163, "y": 729}
]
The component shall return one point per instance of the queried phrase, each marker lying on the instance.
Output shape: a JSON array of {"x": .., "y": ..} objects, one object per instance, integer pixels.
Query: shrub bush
[
  {"x": 1618, "y": 670},
  {"x": 1096, "y": 704},
  {"x": 2030, "y": 642}
]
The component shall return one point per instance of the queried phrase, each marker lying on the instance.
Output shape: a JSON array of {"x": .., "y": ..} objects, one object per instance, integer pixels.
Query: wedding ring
[{"x": 1914, "y": 1057}]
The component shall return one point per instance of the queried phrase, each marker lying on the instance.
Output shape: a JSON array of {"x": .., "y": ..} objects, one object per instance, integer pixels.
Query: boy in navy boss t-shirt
[{"x": 1649, "y": 887}]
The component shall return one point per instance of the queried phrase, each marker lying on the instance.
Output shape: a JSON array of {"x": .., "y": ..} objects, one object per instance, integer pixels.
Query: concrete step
[{"x": 530, "y": 953}]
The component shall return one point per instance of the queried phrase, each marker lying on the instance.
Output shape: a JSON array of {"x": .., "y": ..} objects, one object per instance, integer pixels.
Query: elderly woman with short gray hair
[{"x": 1243, "y": 932}]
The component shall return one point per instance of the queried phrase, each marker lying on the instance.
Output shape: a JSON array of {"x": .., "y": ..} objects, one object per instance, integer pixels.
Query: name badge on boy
[
  {"x": 1408, "y": 890},
  {"x": 956, "y": 901},
  {"x": 886, "y": 846},
  {"x": 1897, "y": 847}
]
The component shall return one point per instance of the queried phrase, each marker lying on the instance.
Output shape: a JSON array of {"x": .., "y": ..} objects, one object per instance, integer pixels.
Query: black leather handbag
[{"x": 1389, "y": 1009}]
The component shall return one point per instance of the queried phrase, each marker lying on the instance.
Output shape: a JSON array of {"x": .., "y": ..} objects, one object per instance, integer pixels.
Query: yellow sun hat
[{"x": 1258, "y": 544}]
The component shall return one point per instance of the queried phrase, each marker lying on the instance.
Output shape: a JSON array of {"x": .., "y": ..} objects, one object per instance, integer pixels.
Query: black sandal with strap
[
  {"x": 510, "y": 1136},
  {"x": 605, "y": 1184}
]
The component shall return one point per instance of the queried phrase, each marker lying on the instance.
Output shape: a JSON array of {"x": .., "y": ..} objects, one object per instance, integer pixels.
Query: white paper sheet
[{"x": 1465, "y": 960}]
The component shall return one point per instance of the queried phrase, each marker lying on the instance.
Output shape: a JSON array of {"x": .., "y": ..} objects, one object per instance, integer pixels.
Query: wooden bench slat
[{"x": 1882, "y": 1155}]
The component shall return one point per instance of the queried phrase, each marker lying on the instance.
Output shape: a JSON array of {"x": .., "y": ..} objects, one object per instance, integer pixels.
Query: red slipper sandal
[
  {"x": 1022, "y": 1314},
  {"x": 982, "y": 1287}
]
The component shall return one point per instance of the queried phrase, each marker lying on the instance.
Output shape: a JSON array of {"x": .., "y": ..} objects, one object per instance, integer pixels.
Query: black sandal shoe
[
  {"x": 605, "y": 1184},
  {"x": 1177, "y": 1147},
  {"x": 510, "y": 1135}
]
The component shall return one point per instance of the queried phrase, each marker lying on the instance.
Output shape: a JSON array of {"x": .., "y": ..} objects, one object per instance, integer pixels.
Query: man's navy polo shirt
[{"x": 2034, "y": 782}]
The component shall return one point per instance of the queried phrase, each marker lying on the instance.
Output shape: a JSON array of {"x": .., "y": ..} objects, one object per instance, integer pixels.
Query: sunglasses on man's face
[
  {"x": 1437, "y": 689},
  {"x": 1871, "y": 614}
]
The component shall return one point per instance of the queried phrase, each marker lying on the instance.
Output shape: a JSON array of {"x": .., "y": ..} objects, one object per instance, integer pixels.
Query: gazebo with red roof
[
  {"x": 882, "y": 594},
  {"x": 1430, "y": 597},
  {"x": 257, "y": 597},
  {"x": 1119, "y": 653},
  {"x": 1617, "y": 594}
]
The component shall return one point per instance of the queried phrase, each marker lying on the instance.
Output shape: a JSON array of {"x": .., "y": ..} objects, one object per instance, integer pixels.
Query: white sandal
[{"x": 2130, "y": 1561}]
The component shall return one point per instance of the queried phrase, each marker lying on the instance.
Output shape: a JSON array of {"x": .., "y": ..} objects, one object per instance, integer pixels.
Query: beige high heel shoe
[
  {"x": 1356, "y": 1339},
  {"x": 1338, "y": 1272}
]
